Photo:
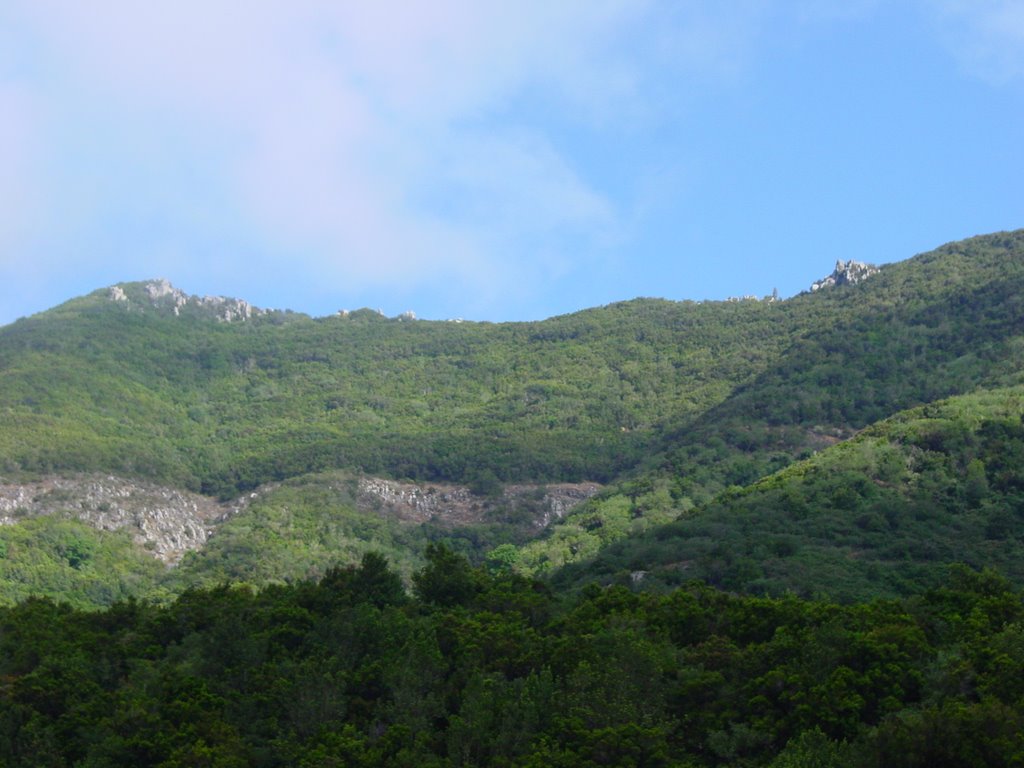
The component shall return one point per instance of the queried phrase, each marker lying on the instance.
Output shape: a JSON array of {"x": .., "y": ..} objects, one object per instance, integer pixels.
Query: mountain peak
[
  {"x": 162, "y": 295},
  {"x": 846, "y": 273}
]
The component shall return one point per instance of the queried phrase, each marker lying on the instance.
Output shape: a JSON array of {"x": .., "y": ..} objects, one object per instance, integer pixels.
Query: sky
[{"x": 496, "y": 160}]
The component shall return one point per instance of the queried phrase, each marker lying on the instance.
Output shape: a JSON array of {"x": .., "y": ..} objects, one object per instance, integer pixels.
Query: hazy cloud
[
  {"x": 987, "y": 36},
  {"x": 322, "y": 116},
  {"x": 20, "y": 171},
  {"x": 833, "y": 10}
]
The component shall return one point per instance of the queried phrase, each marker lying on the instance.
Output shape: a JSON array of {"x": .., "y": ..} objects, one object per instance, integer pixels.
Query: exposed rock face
[
  {"x": 159, "y": 289},
  {"x": 160, "y": 294},
  {"x": 165, "y": 521},
  {"x": 447, "y": 504},
  {"x": 168, "y": 522},
  {"x": 846, "y": 273}
]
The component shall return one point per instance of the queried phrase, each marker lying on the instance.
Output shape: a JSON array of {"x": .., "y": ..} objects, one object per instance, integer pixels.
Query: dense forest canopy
[
  {"x": 880, "y": 514},
  {"x": 479, "y": 668}
]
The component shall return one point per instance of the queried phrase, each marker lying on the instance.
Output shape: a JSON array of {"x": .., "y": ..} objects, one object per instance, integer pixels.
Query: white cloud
[{"x": 520, "y": 182}]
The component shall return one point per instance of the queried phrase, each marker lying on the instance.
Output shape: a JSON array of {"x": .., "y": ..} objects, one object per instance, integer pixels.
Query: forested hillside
[
  {"x": 89, "y": 542},
  {"x": 881, "y": 514},
  {"x": 946, "y": 322},
  {"x": 130, "y": 387},
  {"x": 939, "y": 324},
  {"x": 807, "y": 551},
  {"x": 720, "y": 392},
  {"x": 678, "y": 406}
]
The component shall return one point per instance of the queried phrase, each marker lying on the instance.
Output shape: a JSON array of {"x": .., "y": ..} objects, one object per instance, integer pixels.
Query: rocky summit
[
  {"x": 846, "y": 273},
  {"x": 160, "y": 294}
]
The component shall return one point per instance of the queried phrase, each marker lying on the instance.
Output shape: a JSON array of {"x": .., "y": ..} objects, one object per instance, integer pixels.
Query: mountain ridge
[
  {"x": 166, "y": 294},
  {"x": 161, "y": 294}
]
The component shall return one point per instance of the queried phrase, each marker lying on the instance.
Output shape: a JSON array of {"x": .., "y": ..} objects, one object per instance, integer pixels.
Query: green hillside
[
  {"x": 288, "y": 532},
  {"x": 308, "y": 525},
  {"x": 881, "y": 514},
  {"x": 679, "y": 405},
  {"x": 127, "y": 387},
  {"x": 718, "y": 393},
  {"x": 808, "y": 551},
  {"x": 943, "y": 323},
  {"x": 70, "y": 561},
  {"x": 939, "y": 324}
]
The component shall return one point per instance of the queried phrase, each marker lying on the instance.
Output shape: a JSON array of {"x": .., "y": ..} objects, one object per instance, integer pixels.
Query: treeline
[{"x": 489, "y": 668}]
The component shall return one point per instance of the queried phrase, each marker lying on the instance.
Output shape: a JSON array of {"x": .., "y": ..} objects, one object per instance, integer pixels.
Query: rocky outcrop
[
  {"x": 846, "y": 273},
  {"x": 451, "y": 505},
  {"x": 168, "y": 522},
  {"x": 165, "y": 521},
  {"x": 160, "y": 294}
]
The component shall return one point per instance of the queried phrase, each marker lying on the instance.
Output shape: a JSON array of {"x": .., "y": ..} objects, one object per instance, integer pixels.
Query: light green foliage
[
  {"x": 298, "y": 531},
  {"x": 96, "y": 384},
  {"x": 940, "y": 324},
  {"x": 594, "y": 525},
  {"x": 73, "y": 562}
]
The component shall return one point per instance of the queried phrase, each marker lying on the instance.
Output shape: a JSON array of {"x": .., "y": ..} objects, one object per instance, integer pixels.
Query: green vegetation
[
  {"x": 940, "y": 324},
  {"x": 810, "y": 553},
  {"x": 713, "y": 394},
  {"x": 291, "y": 532},
  {"x": 73, "y": 562},
  {"x": 308, "y": 525},
  {"x": 295, "y": 532},
  {"x": 101, "y": 385},
  {"x": 481, "y": 669},
  {"x": 681, "y": 405},
  {"x": 944, "y": 323},
  {"x": 880, "y": 514}
]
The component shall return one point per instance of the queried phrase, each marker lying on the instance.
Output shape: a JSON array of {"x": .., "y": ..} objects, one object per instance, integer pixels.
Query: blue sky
[{"x": 497, "y": 160}]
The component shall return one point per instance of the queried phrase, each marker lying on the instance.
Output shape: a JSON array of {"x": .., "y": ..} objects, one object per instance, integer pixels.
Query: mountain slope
[
  {"x": 881, "y": 514},
  {"x": 676, "y": 402},
  {"x": 943, "y": 323},
  {"x": 939, "y": 324},
  {"x": 91, "y": 540},
  {"x": 143, "y": 380},
  {"x": 121, "y": 385}
]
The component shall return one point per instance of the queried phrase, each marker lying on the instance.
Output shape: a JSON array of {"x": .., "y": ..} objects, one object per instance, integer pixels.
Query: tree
[{"x": 447, "y": 579}]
